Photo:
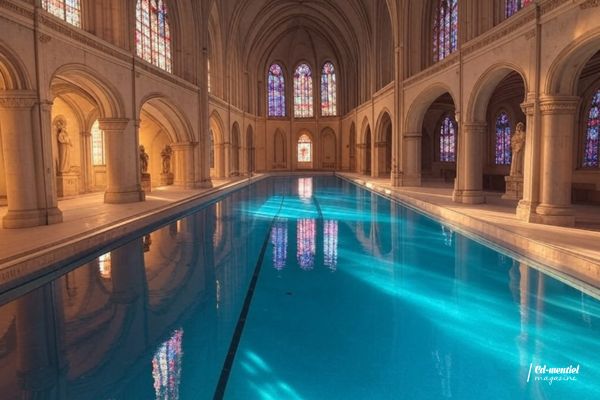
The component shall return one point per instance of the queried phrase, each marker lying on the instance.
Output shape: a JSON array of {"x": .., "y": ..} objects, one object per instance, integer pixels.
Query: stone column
[
  {"x": 202, "y": 165},
  {"x": 362, "y": 150},
  {"x": 184, "y": 164},
  {"x": 122, "y": 166},
  {"x": 469, "y": 166},
  {"x": 558, "y": 123},
  {"x": 412, "y": 159},
  {"x": 531, "y": 167},
  {"x": 28, "y": 205}
]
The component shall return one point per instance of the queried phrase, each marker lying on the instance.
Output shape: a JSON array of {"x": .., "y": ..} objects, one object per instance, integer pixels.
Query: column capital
[
  {"x": 528, "y": 107},
  {"x": 412, "y": 135},
  {"x": 559, "y": 104},
  {"x": 183, "y": 145},
  {"x": 17, "y": 98},
  {"x": 115, "y": 125},
  {"x": 474, "y": 127}
]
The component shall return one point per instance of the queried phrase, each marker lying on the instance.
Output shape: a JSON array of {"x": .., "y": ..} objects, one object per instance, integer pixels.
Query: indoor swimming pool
[{"x": 301, "y": 288}]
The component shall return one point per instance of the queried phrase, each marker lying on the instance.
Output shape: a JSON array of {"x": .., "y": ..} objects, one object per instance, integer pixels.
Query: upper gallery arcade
[{"x": 120, "y": 97}]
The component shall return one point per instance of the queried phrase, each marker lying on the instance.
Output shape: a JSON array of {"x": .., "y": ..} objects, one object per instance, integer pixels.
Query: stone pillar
[
  {"x": 362, "y": 149},
  {"x": 28, "y": 204},
  {"x": 558, "y": 123},
  {"x": 469, "y": 168},
  {"x": 123, "y": 181},
  {"x": 531, "y": 166},
  {"x": 184, "y": 164},
  {"x": 202, "y": 165},
  {"x": 412, "y": 159}
]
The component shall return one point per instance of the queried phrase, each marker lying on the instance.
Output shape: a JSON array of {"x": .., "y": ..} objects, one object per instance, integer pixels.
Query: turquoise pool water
[{"x": 301, "y": 288}]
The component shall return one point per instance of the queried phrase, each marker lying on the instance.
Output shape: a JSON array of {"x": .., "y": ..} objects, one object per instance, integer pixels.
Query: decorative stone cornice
[
  {"x": 474, "y": 128},
  {"x": 412, "y": 135},
  {"x": 589, "y": 4},
  {"x": 17, "y": 98},
  {"x": 528, "y": 108},
  {"x": 559, "y": 105},
  {"x": 113, "y": 125}
]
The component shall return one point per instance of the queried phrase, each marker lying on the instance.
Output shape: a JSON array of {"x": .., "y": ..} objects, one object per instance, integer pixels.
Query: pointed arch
[{"x": 276, "y": 91}]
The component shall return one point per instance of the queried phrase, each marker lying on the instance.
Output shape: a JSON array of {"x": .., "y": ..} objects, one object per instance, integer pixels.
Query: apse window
[
  {"x": 97, "y": 145},
  {"x": 328, "y": 91},
  {"x": 303, "y": 92},
  {"x": 67, "y": 10},
  {"x": 276, "y": 89},
  {"x": 153, "y": 34},
  {"x": 304, "y": 149}
]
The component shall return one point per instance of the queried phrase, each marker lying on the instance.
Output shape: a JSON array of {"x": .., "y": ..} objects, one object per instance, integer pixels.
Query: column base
[
  {"x": 16, "y": 219},
  {"x": 468, "y": 196},
  {"x": 204, "y": 184},
  {"x": 116, "y": 197},
  {"x": 555, "y": 215},
  {"x": 526, "y": 211}
]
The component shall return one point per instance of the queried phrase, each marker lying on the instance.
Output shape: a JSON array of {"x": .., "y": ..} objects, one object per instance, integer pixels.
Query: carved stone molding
[
  {"x": 17, "y": 99},
  {"x": 113, "y": 125},
  {"x": 528, "y": 108},
  {"x": 589, "y": 4},
  {"x": 559, "y": 105},
  {"x": 474, "y": 128}
]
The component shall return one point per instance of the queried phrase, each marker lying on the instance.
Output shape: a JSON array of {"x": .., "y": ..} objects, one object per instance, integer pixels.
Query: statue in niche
[
  {"x": 166, "y": 159},
  {"x": 517, "y": 145},
  {"x": 64, "y": 146},
  {"x": 143, "y": 160}
]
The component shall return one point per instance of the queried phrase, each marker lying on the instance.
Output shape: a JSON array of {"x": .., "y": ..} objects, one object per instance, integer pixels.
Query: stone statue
[
  {"x": 517, "y": 145},
  {"x": 64, "y": 146},
  {"x": 143, "y": 160},
  {"x": 166, "y": 159}
]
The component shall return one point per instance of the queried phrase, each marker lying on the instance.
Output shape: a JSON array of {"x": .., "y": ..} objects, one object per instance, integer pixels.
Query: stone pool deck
[
  {"x": 89, "y": 223},
  {"x": 26, "y": 254},
  {"x": 569, "y": 252}
]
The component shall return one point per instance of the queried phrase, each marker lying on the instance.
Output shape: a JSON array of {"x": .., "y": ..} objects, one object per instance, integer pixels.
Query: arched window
[
  {"x": 328, "y": 91},
  {"x": 503, "y": 153},
  {"x": 592, "y": 141},
  {"x": 208, "y": 73},
  {"x": 276, "y": 89},
  {"x": 512, "y": 6},
  {"x": 97, "y": 144},
  {"x": 448, "y": 140},
  {"x": 67, "y": 10},
  {"x": 212, "y": 149},
  {"x": 304, "y": 149},
  {"x": 152, "y": 33},
  {"x": 303, "y": 92},
  {"x": 445, "y": 29}
]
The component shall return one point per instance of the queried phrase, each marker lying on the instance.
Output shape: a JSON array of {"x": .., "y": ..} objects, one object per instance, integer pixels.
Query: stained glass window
[
  {"x": 512, "y": 6},
  {"x": 445, "y": 29},
  {"x": 303, "y": 92},
  {"x": 276, "y": 88},
  {"x": 304, "y": 149},
  {"x": 166, "y": 367},
  {"x": 306, "y": 246},
  {"x": 592, "y": 141},
  {"x": 279, "y": 240},
  {"x": 97, "y": 144},
  {"x": 152, "y": 34},
  {"x": 448, "y": 140},
  {"x": 330, "y": 244},
  {"x": 503, "y": 151},
  {"x": 328, "y": 91},
  {"x": 67, "y": 10}
]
